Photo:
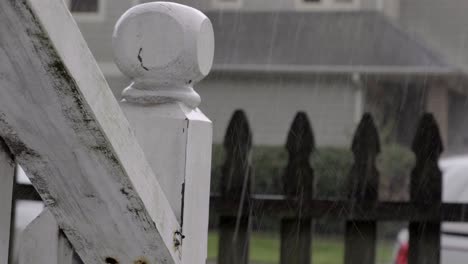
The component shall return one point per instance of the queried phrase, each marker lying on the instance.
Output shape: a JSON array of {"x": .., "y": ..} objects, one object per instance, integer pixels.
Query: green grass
[{"x": 264, "y": 248}]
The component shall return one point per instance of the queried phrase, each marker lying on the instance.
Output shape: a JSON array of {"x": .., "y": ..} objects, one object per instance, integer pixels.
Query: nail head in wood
[{"x": 164, "y": 48}]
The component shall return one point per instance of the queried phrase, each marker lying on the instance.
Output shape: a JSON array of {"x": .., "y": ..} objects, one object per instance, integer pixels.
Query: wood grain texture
[
  {"x": 298, "y": 182},
  {"x": 43, "y": 242},
  {"x": 236, "y": 183},
  {"x": 62, "y": 123},
  {"x": 426, "y": 188},
  {"x": 7, "y": 176},
  {"x": 363, "y": 186}
]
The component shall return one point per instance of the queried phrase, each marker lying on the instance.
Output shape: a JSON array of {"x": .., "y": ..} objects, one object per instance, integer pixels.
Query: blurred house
[
  {"x": 443, "y": 26},
  {"x": 333, "y": 59}
]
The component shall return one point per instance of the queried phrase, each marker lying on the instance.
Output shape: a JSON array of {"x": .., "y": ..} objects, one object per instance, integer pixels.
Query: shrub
[{"x": 331, "y": 167}]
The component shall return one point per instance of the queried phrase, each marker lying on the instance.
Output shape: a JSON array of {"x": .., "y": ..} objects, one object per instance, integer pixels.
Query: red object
[{"x": 402, "y": 255}]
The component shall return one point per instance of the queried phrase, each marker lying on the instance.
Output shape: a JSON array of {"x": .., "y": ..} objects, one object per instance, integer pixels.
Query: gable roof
[{"x": 316, "y": 41}]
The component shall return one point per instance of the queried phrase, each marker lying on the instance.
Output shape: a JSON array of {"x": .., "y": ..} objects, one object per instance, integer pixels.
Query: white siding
[
  {"x": 98, "y": 34},
  {"x": 267, "y": 5},
  {"x": 272, "y": 102}
]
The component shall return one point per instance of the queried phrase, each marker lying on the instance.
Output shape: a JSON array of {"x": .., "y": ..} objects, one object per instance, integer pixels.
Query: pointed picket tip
[
  {"x": 300, "y": 137},
  {"x": 238, "y": 132},
  {"x": 366, "y": 139},
  {"x": 427, "y": 141},
  {"x": 236, "y": 170}
]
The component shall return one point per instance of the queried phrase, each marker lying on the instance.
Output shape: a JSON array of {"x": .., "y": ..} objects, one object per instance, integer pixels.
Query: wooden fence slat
[
  {"x": 363, "y": 184},
  {"x": 7, "y": 176},
  {"x": 42, "y": 242},
  {"x": 236, "y": 184},
  {"x": 281, "y": 207},
  {"x": 298, "y": 182},
  {"x": 360, "y": 242},
  {"x": 426, "y": 187}
]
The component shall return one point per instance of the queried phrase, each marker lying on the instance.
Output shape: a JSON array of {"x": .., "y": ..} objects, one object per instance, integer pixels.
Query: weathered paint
[
  {"x": 60, "y": 120},
  {"x": 43, "y": 242},
  {"x": 161, "y": 105},
  {"x": 164, "y": 48}
]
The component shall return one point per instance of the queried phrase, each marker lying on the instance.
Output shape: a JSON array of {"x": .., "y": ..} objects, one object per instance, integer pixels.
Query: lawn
[{"x": 264, "y": 248}]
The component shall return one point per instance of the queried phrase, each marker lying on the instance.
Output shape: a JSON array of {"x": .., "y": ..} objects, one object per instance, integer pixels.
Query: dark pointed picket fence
[
  {"x": 296, "y": 210},
  {"x": 361, "y": 209}
]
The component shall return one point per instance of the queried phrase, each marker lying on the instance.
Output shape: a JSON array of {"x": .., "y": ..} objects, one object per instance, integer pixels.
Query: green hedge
[{"x": 331, "y": 166}]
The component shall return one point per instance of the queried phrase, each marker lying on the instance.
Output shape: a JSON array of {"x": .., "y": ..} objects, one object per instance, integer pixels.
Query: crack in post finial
[{"x": 164, "y": 48}]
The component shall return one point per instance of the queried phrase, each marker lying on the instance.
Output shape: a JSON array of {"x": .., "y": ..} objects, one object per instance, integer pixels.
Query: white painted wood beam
[
  {"x": 42, "y": 242},
  {"x": 62, "y": 123}
]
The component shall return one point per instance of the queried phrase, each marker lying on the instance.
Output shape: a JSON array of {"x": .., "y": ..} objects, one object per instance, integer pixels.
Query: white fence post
[
  {"x": 166, "y": 48},
  {"x": 7, "y": 176},
  {"x": 43, "y": 242}
]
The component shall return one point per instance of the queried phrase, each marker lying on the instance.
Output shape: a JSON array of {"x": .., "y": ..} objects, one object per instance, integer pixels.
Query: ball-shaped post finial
[{"x": 164, "y": 48}]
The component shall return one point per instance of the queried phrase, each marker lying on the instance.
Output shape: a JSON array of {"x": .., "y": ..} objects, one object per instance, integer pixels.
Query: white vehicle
[{"x": 454, "y": 236}]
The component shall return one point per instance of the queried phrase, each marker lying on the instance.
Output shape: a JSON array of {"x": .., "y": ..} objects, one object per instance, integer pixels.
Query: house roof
[{"x": 317, "y": 41}]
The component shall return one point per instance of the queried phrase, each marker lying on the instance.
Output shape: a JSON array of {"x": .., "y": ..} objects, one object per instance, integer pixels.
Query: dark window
[{"x": 84, "y": 5}]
